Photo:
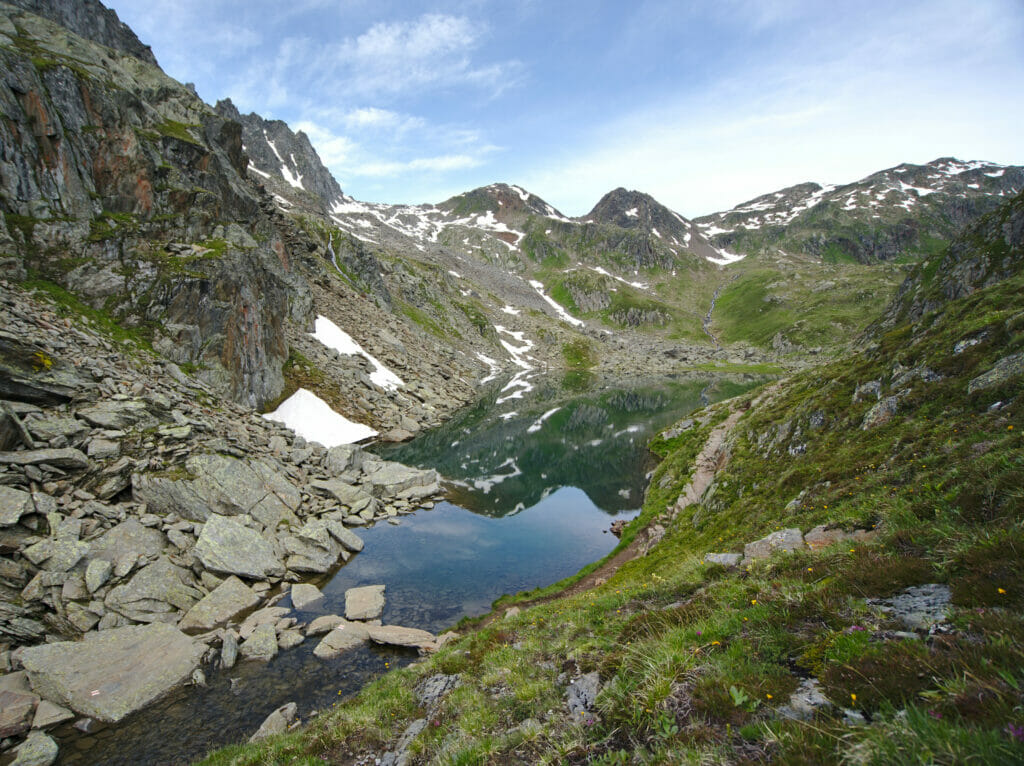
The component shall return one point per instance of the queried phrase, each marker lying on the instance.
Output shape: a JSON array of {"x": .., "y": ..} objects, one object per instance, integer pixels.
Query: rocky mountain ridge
[{"x": 902, "y": 212}]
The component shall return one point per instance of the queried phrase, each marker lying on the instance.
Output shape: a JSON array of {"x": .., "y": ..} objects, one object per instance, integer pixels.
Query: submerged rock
[
  {"x": 344, "y": 636},
  {"x": 112, "y": 673},
  {"x": 364, "y": 603}
]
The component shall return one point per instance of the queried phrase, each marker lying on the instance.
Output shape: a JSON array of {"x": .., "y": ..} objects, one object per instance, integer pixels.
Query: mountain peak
[{"x": 502, "y": 199}]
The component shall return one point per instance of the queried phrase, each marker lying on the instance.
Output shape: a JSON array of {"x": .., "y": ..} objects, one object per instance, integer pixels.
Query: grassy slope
[{"x": 693, "y": 658}]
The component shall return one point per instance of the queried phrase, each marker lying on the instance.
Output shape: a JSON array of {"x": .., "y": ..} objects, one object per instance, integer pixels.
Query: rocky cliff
[{"x": 122, "y": 187}]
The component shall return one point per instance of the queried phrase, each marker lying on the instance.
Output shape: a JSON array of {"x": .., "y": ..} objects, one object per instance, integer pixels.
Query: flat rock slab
[
  {"x": 114, "y": 672},
  {"x": 227, "y": 546},
  {"x": 788, "y": 540},
  {"x": 49, "y": 715},
  {"x": 261, "y": 645},
  {"x": 324, "y": 624},
  {"x": 14, "y": 503},
  {"x": 396, "y": 635},
  {"x": 220, "y": 606},
  {"x": 155, "y": 593},
  {"x": 364, "y": 603},
  {"x": 16, "y": 711},
  {"x": 582, "y": 694},
  {"x": 67, "y": 458},
  {"x": 305, "y": 595},
  {"x": 344, "y": 636},
  {"x": 918, "y": 607},
  {"x": 38, "y": 750}
]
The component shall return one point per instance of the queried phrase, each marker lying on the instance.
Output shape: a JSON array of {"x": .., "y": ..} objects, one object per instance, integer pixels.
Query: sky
[{"x": 703, "y": 104}]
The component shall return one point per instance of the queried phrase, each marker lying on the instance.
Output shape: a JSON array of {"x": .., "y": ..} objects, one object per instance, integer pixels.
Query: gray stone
[
  {"x": 118, "y": 416},
  {"x": 401, "y": 755},
  {"x": 806, "y": 702},
  {"x": 344, "y": 636},
  {"x": 395, "y": 635},
  {"x": 82, "y": 618},
  {"x": 224, "y": 486},
  {"x": 289, "y": 639},
  {"x": 228, "y": 649},
  {"x": 431, "y": 690},
  {"x": 918, "y": 607},
  {"x": 14, "y": 503},
  {"x": 267, "y": 616},
  {"x": 788, "y": 540},
  {"x": 323, "y": 624},
  {"x": 103, "y": 449},
  {"x": 229, "y": 547},
  {"x": 1005, "y": 370},
  {"x": 349, "y": 540},
  {"x": 390, "y": 479},
  {"x": 342, "y": 491},
  {"x": 582, "y": 694},
  {"x": 305, "y": 595},
  {"x": 364, "y": 603},
  {"x": 261, "y": 645},
  {"x": 725, "y": 559},
  {"x": 16, "y": 711},
  {"x": 154, "y": 594},
  {"x": 277, "y": 722},
  {"x": 127, "y": 539},
  {"x": 49, "y": 715},
  {"x": 231, "y": 598},
  {"x": 54, "y": 426},
  {"x": 68, "y": 458},
  {"x": 112, "y": 673},
  {"x": 882, "y": 412},
  {"x": 868, "y": 390},
  {"x": 344, "y": 458},
  {"x": 38, "y": 749}
]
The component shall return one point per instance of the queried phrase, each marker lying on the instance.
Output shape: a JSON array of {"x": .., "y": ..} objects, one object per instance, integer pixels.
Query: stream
[{"x": 534, "y": 483}]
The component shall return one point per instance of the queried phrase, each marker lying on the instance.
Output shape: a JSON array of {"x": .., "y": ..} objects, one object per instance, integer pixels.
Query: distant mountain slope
[{"x": 904, "y": 212}]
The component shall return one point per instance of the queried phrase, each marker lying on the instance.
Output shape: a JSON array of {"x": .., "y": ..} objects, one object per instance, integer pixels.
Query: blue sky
[{"x": 701, "y": 103}]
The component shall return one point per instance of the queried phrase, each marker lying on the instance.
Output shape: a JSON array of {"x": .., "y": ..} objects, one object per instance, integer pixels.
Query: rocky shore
[{"x": 148, "y": 527}]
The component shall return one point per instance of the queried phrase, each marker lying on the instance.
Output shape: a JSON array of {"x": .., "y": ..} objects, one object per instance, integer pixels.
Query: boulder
[
  {"x": 154, "y": 594},
  {"x": 344, "y": 636},
  {"x": 277, "y": 722},
  {"x": 787, "y": 540},
  {"x": 349, "y": 540},
  {"x": 67, "y": 458},
  {"x": 49, "y": 715},
  {"x": 364, "y": 603},
  {"x": 223, "y": 604},
  {"x": 267, "y": 616},
  {"x": 112, "y": 673},
  {"x": 342, "y": 491},
  {"x": 1005, "y": 370},
  {"x": 38, "y": 749},
  {"x": 324, "y": 624},
  {"x": 806, "y": 702},
  {"x": 14, "y": 503},
  {"x": 395, "y": 635},
  {"x": 97, "y": 573},
  {"x": 118, "y": 416},
  {"x": 128, "y": 539},
  {"x": 16, "y": 712},
  {"x": 229, "y": 547},
  {"x": 882, "y": 412},
  {"x": 389, "y": 479},
  {"x": 261, "y": 645},
  {"x": 224, "y": 486},
  {"x": 56, "y": 555},
  {"x": 305, "y": 595},
  {"x": 289, "y": 639}
]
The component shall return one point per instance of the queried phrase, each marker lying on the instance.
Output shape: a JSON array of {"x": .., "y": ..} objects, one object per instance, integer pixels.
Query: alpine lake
[{"x": 535, "y": 475}]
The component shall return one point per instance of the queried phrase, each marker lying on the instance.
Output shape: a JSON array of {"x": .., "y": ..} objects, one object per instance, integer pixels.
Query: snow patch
[
  {"x": 633, "y": 212},
  {"x": 312, "y": 418},
  {"x": 562, "y": 313},
  {"x": 539, "y": 422},
  {"x": 334, "y": 337},
  {"x": 511, "y": 310}
]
